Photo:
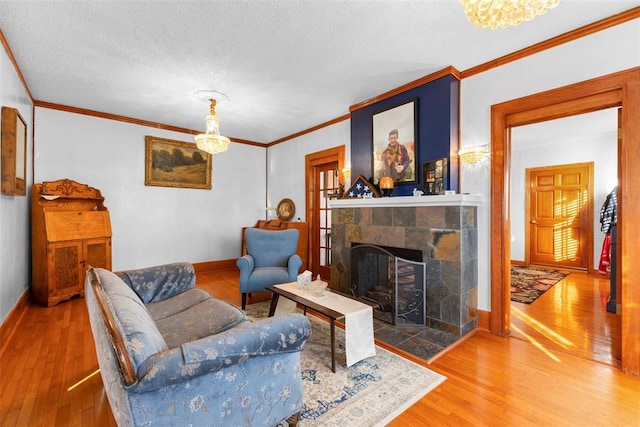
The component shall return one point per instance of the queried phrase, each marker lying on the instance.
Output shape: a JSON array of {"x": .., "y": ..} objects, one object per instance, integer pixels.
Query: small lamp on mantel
[
  {"x": 386, "y": 186},
  {"x": 211, "y": 141}
]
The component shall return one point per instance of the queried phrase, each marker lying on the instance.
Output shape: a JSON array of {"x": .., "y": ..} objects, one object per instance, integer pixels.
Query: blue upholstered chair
[{"x": 270, "y": 260}]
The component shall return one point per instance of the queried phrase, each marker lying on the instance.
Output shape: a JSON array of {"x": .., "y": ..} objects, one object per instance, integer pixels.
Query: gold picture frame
[
  {"x": 286, "y": 209},
  {"x": 14, "y": 153},
  {"x": 171, "y": 163}
]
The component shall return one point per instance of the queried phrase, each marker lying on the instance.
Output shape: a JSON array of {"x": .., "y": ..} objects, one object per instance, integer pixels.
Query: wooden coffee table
[{"x": 306, "y": 304}]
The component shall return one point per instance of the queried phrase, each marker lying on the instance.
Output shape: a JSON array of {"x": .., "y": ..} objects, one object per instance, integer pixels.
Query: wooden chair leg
[
  {"x": 293, "y": 419},
  {"x": 244, "y": 300}
]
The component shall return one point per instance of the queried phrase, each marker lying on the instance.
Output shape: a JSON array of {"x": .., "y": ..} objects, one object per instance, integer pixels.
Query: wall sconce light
[
  {"x": 473, "y": 155},
  {"x": 346, "y": 172}
]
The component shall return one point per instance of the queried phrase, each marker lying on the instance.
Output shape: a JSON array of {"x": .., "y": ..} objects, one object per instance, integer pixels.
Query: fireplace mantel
[{"x": 409, "y": 201}]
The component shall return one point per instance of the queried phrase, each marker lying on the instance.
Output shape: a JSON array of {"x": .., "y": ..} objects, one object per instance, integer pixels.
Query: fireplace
[
  {"x": 443, "y": 228},
  {"x": 392, "y": 280}
]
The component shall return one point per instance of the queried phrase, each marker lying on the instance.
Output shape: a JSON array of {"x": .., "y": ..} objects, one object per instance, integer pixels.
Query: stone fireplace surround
[{"x": 444, "y": 228}]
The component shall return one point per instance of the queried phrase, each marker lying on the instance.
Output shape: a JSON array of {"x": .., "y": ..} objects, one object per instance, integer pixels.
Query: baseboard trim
[
  {"x": 484, "y": 320},
  {"x": 223, "y": 264},
  {"x": 10, "y": 324}
]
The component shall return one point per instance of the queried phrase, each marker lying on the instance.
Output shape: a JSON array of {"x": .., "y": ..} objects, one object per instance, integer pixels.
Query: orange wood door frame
[
  {"x": 620, "y": 89},
  {"x": 312, "y": 196}
]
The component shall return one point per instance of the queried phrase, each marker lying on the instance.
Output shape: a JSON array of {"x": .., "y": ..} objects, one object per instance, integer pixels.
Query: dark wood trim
[
  {"x": 12, "y": 58},
  {"x": 569, "y": 36},
  {"x": 408, "y": 86},
  {"x": 552, "y": 104},
  {"x": 125, "y": 119},
  {"x": 311, "y": 161},
  {"x": 224, "y": 264},
  {"x": 311, "y": 129},
  {"x": 9, "y": 326}
]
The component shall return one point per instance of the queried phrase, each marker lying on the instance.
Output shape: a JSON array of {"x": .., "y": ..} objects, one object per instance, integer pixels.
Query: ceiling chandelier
[
  {"x": 211, "y": 141},
  {"x": 504, "y": 13}
]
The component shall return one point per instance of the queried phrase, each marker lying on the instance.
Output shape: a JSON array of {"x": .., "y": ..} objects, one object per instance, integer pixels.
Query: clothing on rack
[
  {"x": 608, "y": 217},
  {"x": 609, "y": 211}
]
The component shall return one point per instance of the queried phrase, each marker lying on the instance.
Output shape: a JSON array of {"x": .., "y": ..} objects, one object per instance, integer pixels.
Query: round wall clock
[{"x": 286, "y": 209}]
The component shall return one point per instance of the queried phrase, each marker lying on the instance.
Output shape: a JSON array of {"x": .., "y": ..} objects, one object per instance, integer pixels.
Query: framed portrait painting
[
  {"x": 394, "y": 143},
  {"x": 170, "y": 163}
]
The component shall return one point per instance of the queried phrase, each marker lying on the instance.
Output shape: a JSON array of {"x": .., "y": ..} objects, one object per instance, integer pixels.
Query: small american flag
[{"x": 361, "y": 189}]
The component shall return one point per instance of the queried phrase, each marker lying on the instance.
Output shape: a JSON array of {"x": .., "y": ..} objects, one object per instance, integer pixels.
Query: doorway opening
[{"x": 615, "y": 90}]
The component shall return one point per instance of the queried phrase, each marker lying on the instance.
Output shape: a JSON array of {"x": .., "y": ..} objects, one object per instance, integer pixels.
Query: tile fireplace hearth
[{"x": 444, "y": 228}]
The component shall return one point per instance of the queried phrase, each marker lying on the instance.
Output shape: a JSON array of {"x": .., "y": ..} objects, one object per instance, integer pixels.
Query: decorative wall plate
[{"x": 286, "y": 209}]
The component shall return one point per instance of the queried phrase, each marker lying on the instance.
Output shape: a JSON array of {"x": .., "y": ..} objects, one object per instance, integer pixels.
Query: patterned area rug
[
  {"x": 527, "y": 284},
  {"x": 369, "y": 393}
]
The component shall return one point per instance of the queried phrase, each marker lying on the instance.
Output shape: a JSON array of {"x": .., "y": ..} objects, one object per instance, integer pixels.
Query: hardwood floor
[
  {"x": 572, "y": 317},
  {"x": 46, "y": 377}
]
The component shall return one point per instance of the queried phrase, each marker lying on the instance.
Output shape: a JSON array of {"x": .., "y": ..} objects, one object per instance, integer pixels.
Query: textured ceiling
[{"x": 284, "y": 66}]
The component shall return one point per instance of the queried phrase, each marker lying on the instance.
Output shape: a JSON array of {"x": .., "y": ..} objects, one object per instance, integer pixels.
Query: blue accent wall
[{"x": 437, "y": 120}]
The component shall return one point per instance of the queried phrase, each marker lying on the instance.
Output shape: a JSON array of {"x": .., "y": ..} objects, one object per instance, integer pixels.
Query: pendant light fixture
[{"x": 211, "y": 141}]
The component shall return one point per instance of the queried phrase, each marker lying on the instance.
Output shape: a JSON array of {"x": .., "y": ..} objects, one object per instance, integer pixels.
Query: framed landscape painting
[{"x": 171, "y": 163}]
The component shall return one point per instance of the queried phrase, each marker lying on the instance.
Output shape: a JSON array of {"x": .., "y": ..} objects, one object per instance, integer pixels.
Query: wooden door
[
  {"x": 560, "y": 215},
  {"x": 323, "y": 178},
  {"x": 97, "y": 253},
  {"x": 66, "y": 271}
]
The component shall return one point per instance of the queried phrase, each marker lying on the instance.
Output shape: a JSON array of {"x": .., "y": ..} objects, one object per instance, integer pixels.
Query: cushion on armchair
[
  {"x": 160, "y": 282},
  {"x": 207, "y": 317},
  {"x": 142, "y": 336},
  {"x": 271, "y": 248}
]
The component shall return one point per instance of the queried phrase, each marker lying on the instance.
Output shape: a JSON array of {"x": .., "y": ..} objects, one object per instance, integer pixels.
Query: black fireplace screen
[{"x": 392, "y": 280}]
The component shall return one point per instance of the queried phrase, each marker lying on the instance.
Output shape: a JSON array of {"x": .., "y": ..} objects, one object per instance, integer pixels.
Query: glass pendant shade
[
  {"x": 504, "y": 13},
  {"x": 211, "y": 141}
]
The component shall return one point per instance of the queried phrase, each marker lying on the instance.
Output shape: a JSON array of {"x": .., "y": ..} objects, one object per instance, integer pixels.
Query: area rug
[
  {"x": 371, "y": 392},
  {"x": 528, "y": 284}
]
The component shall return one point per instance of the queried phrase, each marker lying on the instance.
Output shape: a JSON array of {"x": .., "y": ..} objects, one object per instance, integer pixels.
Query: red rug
[{"x": 527, "y": 284}]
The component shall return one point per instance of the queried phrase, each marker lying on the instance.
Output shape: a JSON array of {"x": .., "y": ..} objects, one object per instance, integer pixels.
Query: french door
[{"x": 323, "y": 178}]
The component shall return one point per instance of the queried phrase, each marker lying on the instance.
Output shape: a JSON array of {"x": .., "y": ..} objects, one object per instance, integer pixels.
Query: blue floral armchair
[
  {"x": 171, "y": 354},
  {"x": 270, "y": 260}
]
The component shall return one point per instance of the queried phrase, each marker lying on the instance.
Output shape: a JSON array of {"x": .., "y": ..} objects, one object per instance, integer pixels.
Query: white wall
[
  {"x": 15, "y": 248},
  {"x": 567, "y": 140},
  {"x": 605, "y": 52},
  {"x": 286, "y": 162},
  {"x": 152, "y": 225}
]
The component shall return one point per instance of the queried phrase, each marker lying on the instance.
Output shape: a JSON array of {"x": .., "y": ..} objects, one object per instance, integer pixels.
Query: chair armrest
[
  {"x": 295, "y": 262},
  {"x": 245, "y": 264},
  {"x": 275, "y": 335},
  {"x": 160, "y": 282}
]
